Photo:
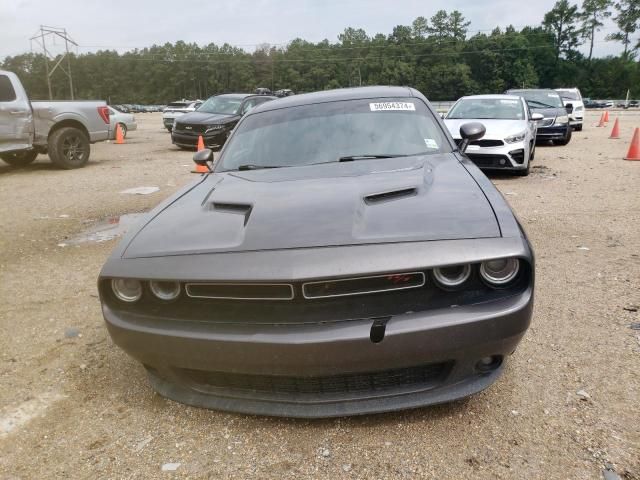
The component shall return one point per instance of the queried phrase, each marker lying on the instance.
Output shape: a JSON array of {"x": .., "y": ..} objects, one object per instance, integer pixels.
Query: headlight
[
  {"x": 578, "y": 109},
  {"x": 452, "y": 276},
  {"x": 165, "y": 290},
  {"x": 518, "y": 137},
  {"x": 499, "y": 272},
  {"x": 561, "y": 120},
  {"x": 127, "y": 289},
  {"x": 213, "y": 128}
]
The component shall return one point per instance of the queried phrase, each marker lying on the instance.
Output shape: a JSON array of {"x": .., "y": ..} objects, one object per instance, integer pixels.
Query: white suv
[
  {"x": 176, "y": 109},
  {"x": 572, "y": 96}
]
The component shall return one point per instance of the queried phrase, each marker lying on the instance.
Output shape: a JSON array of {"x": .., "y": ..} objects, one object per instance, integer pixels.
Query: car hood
[
  {"x": 363, "y": 202},
  {"x": 496, "y": 129},
  {"x": 205, "y": 118}
]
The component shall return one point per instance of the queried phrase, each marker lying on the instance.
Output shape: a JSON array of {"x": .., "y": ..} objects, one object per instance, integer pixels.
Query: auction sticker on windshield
[{"x": 392, "y": 106}]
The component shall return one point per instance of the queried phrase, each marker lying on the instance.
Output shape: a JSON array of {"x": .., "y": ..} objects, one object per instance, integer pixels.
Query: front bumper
[
  {"x": 556, "y": 132},
  {"x": 293, "y": 370},
  {"x": 511, "y": 156},
  {"x": 214, "y": 140}
]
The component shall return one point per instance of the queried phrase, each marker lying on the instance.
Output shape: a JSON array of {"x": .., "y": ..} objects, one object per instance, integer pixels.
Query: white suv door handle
[{"x": 17, "y": 112}]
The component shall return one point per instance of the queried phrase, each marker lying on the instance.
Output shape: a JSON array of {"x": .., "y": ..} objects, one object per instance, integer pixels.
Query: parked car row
[
  {"x": 129, "y": 108},
  {"x": 514, "y": 123}
]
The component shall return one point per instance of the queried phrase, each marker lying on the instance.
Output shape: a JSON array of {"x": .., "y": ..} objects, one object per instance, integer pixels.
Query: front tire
[
  {"x": 565, "y": 140},
  {"x": 69, "y": 148},
  {"x": 123, "y": 127},
  {"x": 19, "y": 159},
  {"x": 579, "y": 127}
]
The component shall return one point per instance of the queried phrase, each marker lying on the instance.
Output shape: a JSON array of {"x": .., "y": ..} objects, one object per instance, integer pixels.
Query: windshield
[
  {"x": 334, "y": 131},
  {"x": 221, "y": 104},
  {"x": 487, "y": 108},
  {"x": 540, "y": 98}
]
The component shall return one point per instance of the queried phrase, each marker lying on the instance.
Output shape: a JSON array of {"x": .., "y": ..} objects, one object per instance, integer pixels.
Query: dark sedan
[
  {"x": 342, "y": 257},
  {"x": 214, "y": 120},
  {"x": 555, "y": 125}
]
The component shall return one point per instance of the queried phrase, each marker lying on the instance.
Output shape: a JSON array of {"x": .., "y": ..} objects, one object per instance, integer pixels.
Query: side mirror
[
  {"x": 470, "y": 132},
  {"x": 537, "y": 117},
  {"x": 569, "y": 107},
  {"x": 203, "y": 158}
]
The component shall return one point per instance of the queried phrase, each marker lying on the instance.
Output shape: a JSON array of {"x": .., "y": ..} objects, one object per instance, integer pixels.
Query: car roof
[
  {"x": 532, "y": 90},
  {"x": 337, "y": 95},
  {"x": 233, "y": 95},
  {"x": 492, "y": 97}
]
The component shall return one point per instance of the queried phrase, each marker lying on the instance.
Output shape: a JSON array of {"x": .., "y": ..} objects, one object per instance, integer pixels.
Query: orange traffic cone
[
  {"x": 634, "y": 148},
  {"x": 606, "y": 116},
  {"x": 615, "y": 133},
  {"x": 200, "y": 143},
  {"x": 200, "y": 169},
  {"x": 119, "y": 135},
  {"x": 601, "y": 123}
]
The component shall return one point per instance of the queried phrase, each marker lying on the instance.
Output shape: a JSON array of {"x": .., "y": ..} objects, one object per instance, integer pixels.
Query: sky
[{"x": 99, "y": 24}]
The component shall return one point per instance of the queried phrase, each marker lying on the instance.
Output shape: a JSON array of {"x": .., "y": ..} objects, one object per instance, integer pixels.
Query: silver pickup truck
[{"x": 63, "y": 129}]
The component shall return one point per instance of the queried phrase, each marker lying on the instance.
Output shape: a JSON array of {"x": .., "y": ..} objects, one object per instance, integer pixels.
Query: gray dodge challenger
[{"x": 342, "y": 256}]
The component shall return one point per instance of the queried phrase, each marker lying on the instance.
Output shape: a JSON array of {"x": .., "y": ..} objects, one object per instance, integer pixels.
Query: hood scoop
[
  {"x": 243, "y": 209},
  {"x": 377, "y": 198}
]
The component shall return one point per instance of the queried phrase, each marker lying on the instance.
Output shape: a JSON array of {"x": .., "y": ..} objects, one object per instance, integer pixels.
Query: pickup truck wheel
[
  {"x": 19, "y": 159},
  {"x": 69, "y": 148}
]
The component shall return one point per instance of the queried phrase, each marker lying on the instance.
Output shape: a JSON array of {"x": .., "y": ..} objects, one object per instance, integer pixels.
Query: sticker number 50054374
[{"x": 384, "y": 106}]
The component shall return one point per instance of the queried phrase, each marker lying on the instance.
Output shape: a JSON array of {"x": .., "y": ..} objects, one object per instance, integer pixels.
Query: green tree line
[{"x": 436, "y": 55}]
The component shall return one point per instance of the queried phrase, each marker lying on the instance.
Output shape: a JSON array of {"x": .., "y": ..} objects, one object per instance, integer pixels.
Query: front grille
[
  {"x": 489, "y": 161},
  {"x": 190, "y": 128},
  {"x": 422, "y": 377},
  {"x": 240, "y": 291},
  {"x": 256, "y": 305},
  {"x": 363, "y": 285},
  {"x": 483, "y": 143}
]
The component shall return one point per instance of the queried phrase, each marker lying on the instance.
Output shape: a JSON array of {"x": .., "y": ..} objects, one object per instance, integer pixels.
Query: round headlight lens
[
  {"x": 127, "y": 289},
  {"x": 452, "y": 276},
  {"x": 165, "y": 290},
  {"x": 501, "y": 271}
]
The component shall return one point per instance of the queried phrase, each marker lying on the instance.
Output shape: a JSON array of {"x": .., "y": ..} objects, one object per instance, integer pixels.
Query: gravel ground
[{"x": 72, "y": 405}]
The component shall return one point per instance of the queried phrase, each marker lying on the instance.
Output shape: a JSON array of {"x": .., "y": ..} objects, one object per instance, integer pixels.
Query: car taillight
[{"x": 104, "y": 113}]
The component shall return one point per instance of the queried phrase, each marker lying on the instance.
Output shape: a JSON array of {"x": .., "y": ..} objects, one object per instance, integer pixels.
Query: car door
[{"x": 16, "y": 119}]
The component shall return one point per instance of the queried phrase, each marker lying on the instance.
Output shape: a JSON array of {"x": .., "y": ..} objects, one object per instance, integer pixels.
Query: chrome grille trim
[
  {"x": 218, "y": 297},
  {"x": 351, "y": 294}
]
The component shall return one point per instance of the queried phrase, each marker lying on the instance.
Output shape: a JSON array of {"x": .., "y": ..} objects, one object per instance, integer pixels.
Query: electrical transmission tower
[{"x": 50, "y": 33}]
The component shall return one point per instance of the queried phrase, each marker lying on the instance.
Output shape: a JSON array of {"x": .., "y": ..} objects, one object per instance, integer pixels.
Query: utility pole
[{"x": 41, "y": 39}]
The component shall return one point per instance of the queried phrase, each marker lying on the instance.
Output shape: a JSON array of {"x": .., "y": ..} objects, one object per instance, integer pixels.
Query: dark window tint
[{"x": 7, "y": 93}]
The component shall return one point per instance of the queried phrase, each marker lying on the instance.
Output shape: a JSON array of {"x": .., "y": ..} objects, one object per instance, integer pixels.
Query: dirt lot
[{"x": 72, "y": 405}]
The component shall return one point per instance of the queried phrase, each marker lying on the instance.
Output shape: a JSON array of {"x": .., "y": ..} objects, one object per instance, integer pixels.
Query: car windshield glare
[
  {"x": 221, "y": 104},
  {"x": 487, "y": 108},
  {"x": 541, "y": 98},
  {"x": 327, "y": 132}
]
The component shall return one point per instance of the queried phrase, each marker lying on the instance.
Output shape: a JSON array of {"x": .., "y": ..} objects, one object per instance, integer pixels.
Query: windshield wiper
[
  {"x": 250, "y": 166},
  {"x": 351, "y": 158},
  {"x": 544, "y": 105}
]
